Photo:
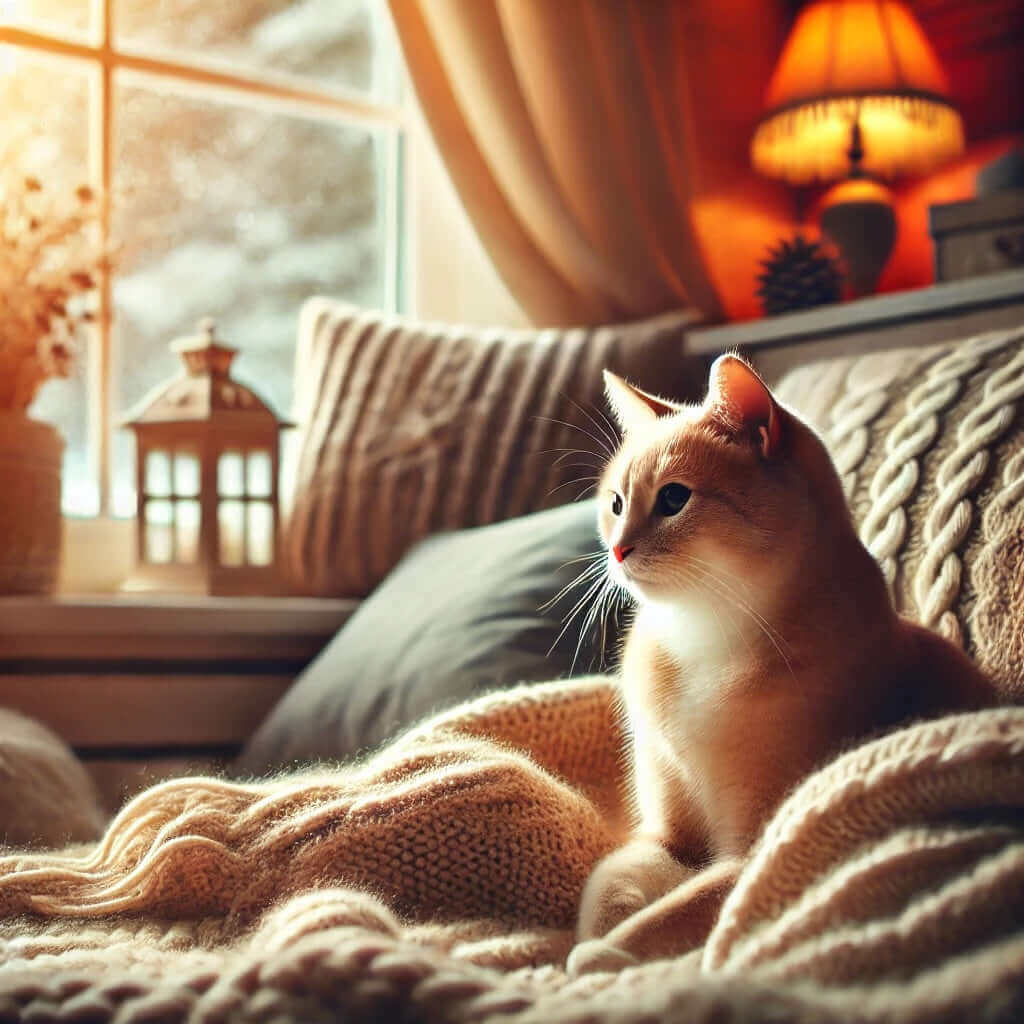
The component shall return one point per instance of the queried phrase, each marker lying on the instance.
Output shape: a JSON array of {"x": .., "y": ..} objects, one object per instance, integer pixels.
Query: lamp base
[{"x": 857, "y": 215}]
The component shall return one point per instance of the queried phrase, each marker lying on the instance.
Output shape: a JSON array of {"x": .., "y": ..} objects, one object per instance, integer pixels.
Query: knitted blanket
[{"x": 439, "y": 879}]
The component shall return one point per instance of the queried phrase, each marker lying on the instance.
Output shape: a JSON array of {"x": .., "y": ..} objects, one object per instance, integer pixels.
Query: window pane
[
  {"x": 159, "y": 545},
  {"x": 46, "y": 104},
  {"x": 186, "y": 530},
  {"x": 347, "y": 44},
  {"x": 158, "y": 473},
  {"x": 63, "y": 402},
  {"x": 260, "y": 540},
  {"x": 239, "y": 213},
  {"x": 68, "y": 17},
  {"x": 186, "y": 474},
  {"x": 257, "y": 474},
  {"x": 229, "y": 475},
  {"x": 231, "y": 525}
]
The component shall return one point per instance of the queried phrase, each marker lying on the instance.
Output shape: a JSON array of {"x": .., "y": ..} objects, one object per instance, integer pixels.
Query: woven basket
[{"x": 30, "y": 523}]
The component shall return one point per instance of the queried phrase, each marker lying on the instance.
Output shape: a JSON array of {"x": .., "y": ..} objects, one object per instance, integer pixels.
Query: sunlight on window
[
  {"x": 186, "y": 530},
  {"x": 70, "y": 17},
  {"x": 259, "y": 533},
  {"x": 158, "y": 474},
  {"x": 257, "y": 474},
  {"x": 223, "y": 201},
  {"x": 229, "y": 475},
  {"x": 46, "y": 106},
  {"x": 231, "y": 528},
  {"x": 186, "y": 474},
  {"x": 158, "y": 537},
  {"x": 336, "y": 43},
  {"x": 240, "y": 214}
]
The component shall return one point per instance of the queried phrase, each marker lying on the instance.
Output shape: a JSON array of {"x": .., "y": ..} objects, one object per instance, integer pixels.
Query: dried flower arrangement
[{"x": 50, "y": 263}]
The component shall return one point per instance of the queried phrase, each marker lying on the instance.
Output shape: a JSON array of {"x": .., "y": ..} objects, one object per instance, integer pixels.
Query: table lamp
[{"x": 858, "y": 95}]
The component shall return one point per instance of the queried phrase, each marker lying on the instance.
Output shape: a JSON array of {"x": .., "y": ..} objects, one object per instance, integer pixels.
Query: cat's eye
[
  {"x": 616, "y": 504},
  {"x": 671, "y": 498}
]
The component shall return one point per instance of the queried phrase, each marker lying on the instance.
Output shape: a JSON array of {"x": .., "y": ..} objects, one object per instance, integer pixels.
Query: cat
[{"x": 764, "y": 639}]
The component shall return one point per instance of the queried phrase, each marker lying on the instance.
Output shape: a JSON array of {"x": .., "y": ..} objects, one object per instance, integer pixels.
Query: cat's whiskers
[
  {"x": 614, "y": 596},
  {"x": 578, "y": 451},
  {"x": 714, "y": 603},
  {"x": 763, "y": 624},
  {"x": 615, "y": 432},
  {"x": 747, "y": 607},
  {"x": 588, "y": 622},
  {"x": 602, "y": 444},
  {"x": 726, "y": 637},
  {"x": 569, "y": 483},
  {"x": 589, "y": 557},
  {"x": 611, "y": 598},
  {"x": 569, "y": 453},
  {"x": 586, "y": 575},
  {"x": 719, "y": 571},
  {"x": 592, "y": 590},
  {"x": 611, "y": 437}
]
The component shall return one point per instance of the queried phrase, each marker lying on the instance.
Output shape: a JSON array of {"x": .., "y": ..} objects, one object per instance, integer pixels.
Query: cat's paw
[
  {"x": 623, "y": 883},
  {"x": 596, "y": 955},
  {"x": 608, "y": 901}
]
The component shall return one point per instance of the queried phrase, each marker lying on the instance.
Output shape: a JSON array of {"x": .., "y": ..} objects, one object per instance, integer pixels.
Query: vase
[{"x": 30, "y": 514}]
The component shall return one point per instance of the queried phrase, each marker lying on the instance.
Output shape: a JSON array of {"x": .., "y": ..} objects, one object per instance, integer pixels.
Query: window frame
[{"x": 98, "y": 52}]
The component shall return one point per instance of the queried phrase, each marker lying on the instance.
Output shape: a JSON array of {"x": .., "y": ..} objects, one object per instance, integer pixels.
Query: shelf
[{"x": 938, "y": 301}]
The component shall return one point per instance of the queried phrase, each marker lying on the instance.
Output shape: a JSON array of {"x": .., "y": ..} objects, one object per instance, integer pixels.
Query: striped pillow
[{"x": 407, "y": 429}]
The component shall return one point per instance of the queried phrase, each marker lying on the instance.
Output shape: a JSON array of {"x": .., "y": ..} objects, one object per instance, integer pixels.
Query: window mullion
[{"x": 102, "y": 409}]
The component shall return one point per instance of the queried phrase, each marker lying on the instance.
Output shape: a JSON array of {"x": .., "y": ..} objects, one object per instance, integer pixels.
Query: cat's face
[{"x": 698, "y": 497}]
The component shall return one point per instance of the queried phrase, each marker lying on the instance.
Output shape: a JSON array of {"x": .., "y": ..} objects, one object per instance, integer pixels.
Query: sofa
[{"x": 406, "y": 835}]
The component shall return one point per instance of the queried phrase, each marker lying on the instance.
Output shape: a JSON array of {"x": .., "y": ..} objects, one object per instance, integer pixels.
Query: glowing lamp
[{"x": 858, "y": 93}]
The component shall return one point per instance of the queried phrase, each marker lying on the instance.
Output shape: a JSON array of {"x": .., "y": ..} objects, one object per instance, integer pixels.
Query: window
[
  {"x": 171, "y": 490},
  {"x": 244, "y": 513},
  {"x": 251, "y": 151}
]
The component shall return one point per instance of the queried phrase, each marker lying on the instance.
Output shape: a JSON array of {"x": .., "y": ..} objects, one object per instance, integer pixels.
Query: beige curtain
[{"x": 584, "y": 135}]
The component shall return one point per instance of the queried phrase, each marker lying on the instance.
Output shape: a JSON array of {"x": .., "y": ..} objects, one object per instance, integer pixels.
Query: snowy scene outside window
[{"x": 252, "y": 150}]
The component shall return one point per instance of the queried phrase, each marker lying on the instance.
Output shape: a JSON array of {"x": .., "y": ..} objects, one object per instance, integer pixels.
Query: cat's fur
[{"x": 764, "y": 639}]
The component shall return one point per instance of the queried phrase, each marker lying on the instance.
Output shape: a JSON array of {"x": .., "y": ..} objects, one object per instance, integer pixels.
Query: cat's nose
[{"x": 620, "y": 551}]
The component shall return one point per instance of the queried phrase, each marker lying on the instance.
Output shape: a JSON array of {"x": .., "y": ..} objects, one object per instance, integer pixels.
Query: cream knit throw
[{"x": 439, "y": 881}]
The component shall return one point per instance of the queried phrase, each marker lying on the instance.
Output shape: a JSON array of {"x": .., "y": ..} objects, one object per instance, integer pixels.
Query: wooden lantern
[{"x": 207, "y": 458}]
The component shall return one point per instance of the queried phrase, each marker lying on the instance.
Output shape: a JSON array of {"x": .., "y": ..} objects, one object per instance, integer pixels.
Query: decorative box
[{"x": 978, "y": 236}]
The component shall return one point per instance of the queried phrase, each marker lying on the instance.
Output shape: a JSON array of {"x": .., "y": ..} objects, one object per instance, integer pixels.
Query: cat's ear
[
  {"x": 741, "y": 401},
  {"x": 633, "y": 407}
]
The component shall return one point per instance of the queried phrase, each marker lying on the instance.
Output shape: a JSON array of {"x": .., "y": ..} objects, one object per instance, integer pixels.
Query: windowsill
[
  {"x": 109, "y": 628},
  {"x": 127, "y": 678}
]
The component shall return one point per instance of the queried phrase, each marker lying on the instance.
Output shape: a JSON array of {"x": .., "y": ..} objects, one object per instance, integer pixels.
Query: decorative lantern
[{"x": 207, "y": 456}]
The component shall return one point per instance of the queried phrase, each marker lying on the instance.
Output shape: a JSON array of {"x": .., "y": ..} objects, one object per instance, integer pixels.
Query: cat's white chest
[{"x": 699, "y": 642}]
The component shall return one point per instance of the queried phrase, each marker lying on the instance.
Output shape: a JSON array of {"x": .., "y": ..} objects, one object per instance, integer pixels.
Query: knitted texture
[
  {"x": 438, "y": 881},
  {"x": 927, "y": 441},
  {"x": 406, "y": 429}
]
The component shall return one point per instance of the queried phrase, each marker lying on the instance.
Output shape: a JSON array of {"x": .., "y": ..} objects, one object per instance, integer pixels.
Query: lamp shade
[{"x": 864, "y": 62}]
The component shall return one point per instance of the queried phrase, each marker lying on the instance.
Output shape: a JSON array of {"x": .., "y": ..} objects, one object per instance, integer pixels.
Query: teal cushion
[{"x": 461, "y": 614}]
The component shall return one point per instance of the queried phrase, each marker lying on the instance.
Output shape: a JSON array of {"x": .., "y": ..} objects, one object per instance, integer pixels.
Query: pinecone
[{"x": 798, "y": 274}]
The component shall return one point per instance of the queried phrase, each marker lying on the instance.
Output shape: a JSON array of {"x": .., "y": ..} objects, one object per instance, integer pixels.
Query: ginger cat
[{"x": 764, "y": 639}]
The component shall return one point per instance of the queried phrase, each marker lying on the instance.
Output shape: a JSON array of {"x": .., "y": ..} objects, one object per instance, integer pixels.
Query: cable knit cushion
[
  {"x": 930, "y": 445},
  {"x": 407, "y": 429}
]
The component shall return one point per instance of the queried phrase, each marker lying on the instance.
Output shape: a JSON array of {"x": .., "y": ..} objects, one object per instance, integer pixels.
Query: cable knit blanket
[{"x": 439, "y": 881}]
